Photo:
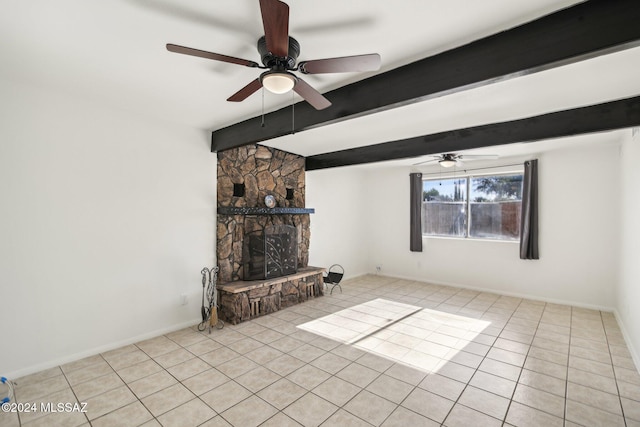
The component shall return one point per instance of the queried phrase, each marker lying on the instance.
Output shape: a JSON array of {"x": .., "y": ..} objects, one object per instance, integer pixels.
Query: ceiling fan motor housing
[{"x": 270, "y": 61}]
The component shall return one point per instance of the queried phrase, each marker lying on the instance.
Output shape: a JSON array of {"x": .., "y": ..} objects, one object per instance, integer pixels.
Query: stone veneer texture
[
  {"x": 262, "y": 171},
  {"x": 236, "y": 307}
]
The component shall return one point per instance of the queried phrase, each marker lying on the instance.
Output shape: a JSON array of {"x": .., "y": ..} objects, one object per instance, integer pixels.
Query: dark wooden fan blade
[
  {"x": 275, "y": 19},
  {"x": 345, "y": 64},
  {"x": 246, "y": 91},
  {"x": 209, "y": 55},
  {"x": 312, "y": 96},
  {"x": 478, "y": 156},
  {"x": 425, "y": 162}
]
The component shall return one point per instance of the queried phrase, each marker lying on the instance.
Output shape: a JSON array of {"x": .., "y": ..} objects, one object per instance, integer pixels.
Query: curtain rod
[{"x": 474, "y": 169}]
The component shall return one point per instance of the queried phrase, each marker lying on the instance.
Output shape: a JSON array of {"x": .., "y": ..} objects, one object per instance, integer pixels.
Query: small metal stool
[{"x": 333, "y": 277}]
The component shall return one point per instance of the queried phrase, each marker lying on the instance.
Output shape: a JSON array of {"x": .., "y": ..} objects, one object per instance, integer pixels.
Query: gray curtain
[
  {"x": 415, "y": 209},
  {"x": 529, "y": 216}
]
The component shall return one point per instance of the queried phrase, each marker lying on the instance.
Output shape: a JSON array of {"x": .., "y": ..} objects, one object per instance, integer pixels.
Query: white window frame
[{"x": 468, "y": 177}]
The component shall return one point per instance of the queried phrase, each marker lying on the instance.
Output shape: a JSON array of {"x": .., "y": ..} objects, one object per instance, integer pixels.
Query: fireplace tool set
[{"x": 210, "y": 311}]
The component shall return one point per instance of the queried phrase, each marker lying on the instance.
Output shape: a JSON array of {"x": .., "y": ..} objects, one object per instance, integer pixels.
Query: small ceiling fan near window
[
  {"x": 448, "y": 160},
  {"x": 279, "y": 53}
]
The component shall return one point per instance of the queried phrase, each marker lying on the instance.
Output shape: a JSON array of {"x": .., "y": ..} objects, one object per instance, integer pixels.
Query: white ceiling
[{"x": 113, "y": 52}]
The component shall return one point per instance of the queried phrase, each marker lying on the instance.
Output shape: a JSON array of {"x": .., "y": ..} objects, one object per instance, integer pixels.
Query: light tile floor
[{"x": 385, "y": 352}]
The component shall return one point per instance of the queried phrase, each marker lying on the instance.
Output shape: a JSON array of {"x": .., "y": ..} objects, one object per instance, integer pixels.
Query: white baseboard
[
  {"x": 500, "y": 292},
  {"x": 97, "y": 350},
  {"x": 354, "y": 276},
  {"x": 627, "y": 339}
]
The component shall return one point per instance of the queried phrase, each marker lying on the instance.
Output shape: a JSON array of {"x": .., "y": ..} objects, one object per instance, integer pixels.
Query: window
[{"x": 480, "y": 207}]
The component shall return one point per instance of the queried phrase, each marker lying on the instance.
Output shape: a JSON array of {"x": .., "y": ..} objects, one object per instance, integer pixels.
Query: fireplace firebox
[{"x": 270, "y": 253}]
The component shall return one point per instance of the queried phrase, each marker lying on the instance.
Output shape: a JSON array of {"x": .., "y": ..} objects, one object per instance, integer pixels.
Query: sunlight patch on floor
[{"x": 422, "y": 338}]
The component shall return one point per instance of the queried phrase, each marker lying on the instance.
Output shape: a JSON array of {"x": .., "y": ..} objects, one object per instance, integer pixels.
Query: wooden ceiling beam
[
  {"x": 583, "y": 31},
  {"x": 595, "y": 118}
]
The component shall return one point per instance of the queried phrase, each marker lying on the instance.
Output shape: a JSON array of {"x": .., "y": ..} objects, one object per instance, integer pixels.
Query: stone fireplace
[
  {"x": 247, "y": 175},
  {"x": 262, "y": 233}
]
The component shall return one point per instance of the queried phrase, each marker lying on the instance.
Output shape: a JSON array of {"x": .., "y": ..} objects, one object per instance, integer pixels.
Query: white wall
[
  {"x": 579, "y": 235},
  {"x": 339, "y": 225},
  {"x": 628, "y": 301},
  {"x": 107, "y": 218}
]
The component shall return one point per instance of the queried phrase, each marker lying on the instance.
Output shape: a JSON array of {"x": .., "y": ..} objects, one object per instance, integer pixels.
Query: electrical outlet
[{"x": 183, "y": 299}]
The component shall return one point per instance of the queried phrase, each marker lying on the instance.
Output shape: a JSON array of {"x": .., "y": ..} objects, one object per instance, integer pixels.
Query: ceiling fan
[
  {"x": 279, "y": 53},
  {"x": 448, "y": 160}
]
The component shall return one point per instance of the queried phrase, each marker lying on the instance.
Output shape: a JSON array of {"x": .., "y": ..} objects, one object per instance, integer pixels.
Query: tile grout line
[
  {"x": 522, "y": 367},
  {"x": 401, "y": 294},
  {"x": 378, "y": 376},
  {"x": 180, "y": 382},
  {"x": 478, "y": 367},
  {"x": 74, "y": 392},
  {"x": 153, "y": 417},
  {"x": 615, "y": 376},
  {"x": 429, "y": 373},
  {"x": 138, "y": 399},
  {"x": 566, "y": 383}
]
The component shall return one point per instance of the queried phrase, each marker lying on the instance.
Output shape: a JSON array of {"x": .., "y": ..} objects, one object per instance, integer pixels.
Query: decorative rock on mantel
[{"x": 246, "y": 175}]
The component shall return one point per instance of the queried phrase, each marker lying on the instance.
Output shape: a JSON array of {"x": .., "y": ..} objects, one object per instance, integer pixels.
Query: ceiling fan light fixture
[
  {"x": 279, "y": 54},
  {"x": 447, "y": 163},
  {"x": 278, "y": 82}
]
